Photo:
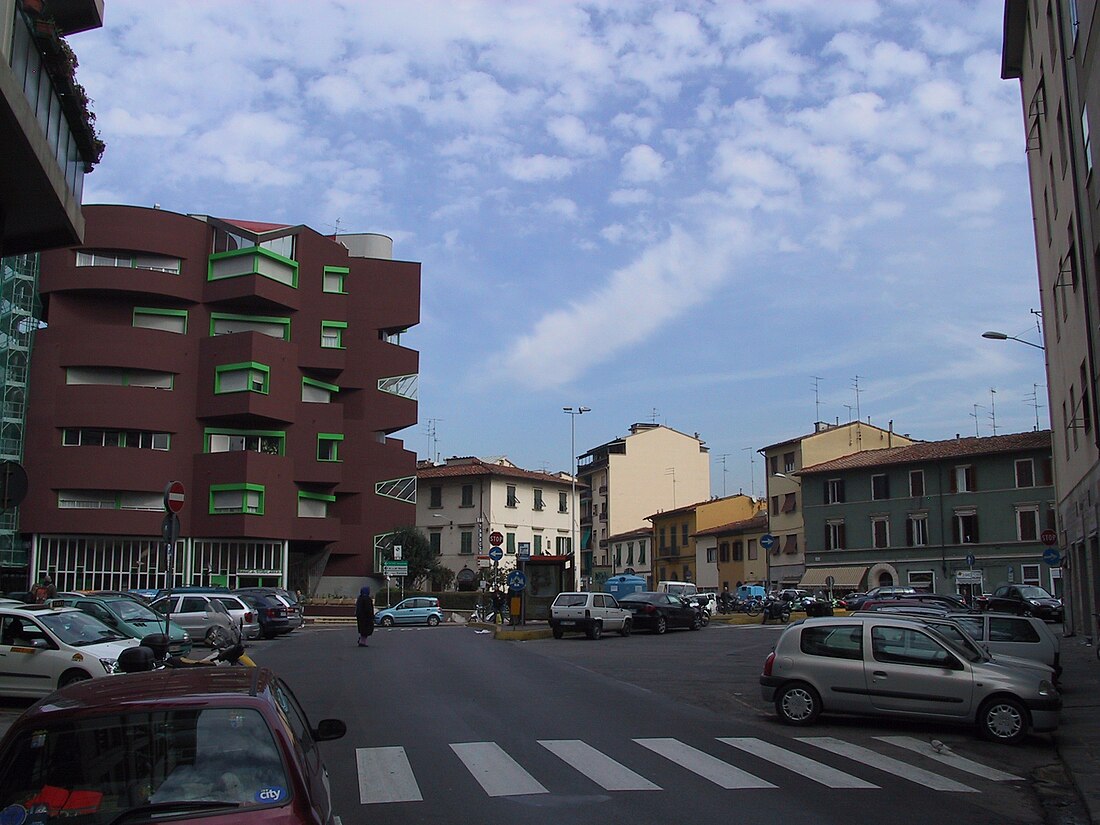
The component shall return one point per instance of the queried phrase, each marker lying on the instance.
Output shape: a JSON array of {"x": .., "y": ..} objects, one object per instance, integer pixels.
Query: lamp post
[
  {"x": 1001, "y": 336},
  {"x": 573, "y": 412}
]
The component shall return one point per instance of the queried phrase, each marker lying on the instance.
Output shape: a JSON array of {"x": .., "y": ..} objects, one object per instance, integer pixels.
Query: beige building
[
  {"x": 1047, "y": 47},
  {"x": 786, "y": 560},
  {"x": 460, "y": 503},
  {"x": 632, "y": 552},
  {"x": 651, "y": 468},
  {"x": 678, "y": 555},
  {"x": 733, "y": 551}
]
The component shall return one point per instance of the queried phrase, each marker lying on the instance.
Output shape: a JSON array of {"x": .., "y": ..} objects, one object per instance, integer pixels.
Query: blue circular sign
[
  {"x": 517, "y": 581},
  {"x": 970, "y": 559},
  {"x": 496, "y": 554},
  {"x": 767, "y": 540},
  {"x": 1051, "y": 556}
]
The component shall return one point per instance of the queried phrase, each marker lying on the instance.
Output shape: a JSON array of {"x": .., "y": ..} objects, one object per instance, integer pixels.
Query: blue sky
[{"x": 692, "y": 213}]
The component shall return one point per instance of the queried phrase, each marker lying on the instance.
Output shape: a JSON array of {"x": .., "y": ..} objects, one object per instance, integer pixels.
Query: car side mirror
[
  {"x": 40, "y": 644},
  {"x": 329, "y": 729}
]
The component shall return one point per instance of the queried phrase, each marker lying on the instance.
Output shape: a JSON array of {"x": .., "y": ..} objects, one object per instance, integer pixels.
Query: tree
[{"x": 423, "y": 564}]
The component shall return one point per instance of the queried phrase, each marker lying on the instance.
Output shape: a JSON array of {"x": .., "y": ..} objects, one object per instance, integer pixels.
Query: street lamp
[
  {"x": 573, "y": 412},
  {"x": 1001, "y": 336},
  {"x": 788, "y": 478}
]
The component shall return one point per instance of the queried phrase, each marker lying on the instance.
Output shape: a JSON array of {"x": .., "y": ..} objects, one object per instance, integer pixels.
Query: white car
[
  {"x": 44, "y": 648},
  {"x": 588, "y": 613}
]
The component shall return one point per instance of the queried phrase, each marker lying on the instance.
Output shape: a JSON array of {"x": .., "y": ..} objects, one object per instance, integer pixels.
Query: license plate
[{"x": 568, "y": 622}]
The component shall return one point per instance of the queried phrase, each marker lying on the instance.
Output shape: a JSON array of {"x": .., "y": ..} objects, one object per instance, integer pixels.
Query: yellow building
[
  {"x": 738, "y": 557},
  {"x": 674, "y": 537}
]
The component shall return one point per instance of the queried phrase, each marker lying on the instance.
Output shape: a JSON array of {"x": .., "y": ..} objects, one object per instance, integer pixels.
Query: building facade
[
  {"x": 258, "y": 364},
  {"x": 735, "y": 552},
  {"x": 786, "y": 561},
  {"x": 652, "y": 468},
  {"x": 1048, "y": 48},
  {"x": 960, "y": 516},
  {"x": 678, "y": 556},
  {"x": 633, "y": 552}
]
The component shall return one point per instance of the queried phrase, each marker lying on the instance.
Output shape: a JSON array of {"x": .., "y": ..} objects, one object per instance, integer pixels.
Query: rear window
[
  {"x": 571, "y": 600},
  {"x": 1004, "y": 629}
]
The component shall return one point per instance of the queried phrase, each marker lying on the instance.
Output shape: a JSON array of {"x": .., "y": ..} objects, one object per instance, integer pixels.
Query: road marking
[
  {"x": 496, "y": 772},
  {"x": 869, "y": 757},
  {"x": 949, "y": 758},
  {"x": 709, "y": 767},
  {"x": 385, "y": 775},
  {"x": 597, "y": 766},
  {"x": 802, "y": 765}
]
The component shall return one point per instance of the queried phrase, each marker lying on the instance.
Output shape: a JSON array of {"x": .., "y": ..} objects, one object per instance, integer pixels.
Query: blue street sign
[
  {"x": 517, "y": 581},
  {"x": 767, "y": 540},
  {"x": 496, "y": 554},
  {"x": 1051, "y": 556},
  {"x": 969, "y": 559}
]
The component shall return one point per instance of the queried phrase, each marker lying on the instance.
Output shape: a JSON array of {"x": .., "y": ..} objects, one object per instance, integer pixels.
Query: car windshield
[
  {"x": 130, "y": 611},
  {"x": 1033, "y": 592},
  {"x": 79, "y": 629},
  {"x": 97, "y": 769},
  {"x": 962, "y": 640}
]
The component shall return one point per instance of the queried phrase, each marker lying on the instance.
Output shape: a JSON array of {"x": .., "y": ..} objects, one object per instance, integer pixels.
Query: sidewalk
[{"x": 1077, "y": 739}]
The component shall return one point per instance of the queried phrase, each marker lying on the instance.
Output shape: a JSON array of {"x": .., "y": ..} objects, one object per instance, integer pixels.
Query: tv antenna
[
  {"x": 722, "y": 458},
  {"x": 817, "y": 398},
  {"x": 993, "y": 408},
  {"x": 433, "y": 440}
]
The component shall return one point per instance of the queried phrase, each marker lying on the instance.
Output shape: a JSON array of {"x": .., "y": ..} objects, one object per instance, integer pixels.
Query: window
[
  {"x": 684, "y": 535},
  {"x": 467, "y": 495},
  {"x": 328, "y": 446},
  {"x": 962, "y": 479},
  {"x": 835, "y": 538},
  {"x": 916, "y": 530},
  {"x": 466, "y": 543},
  {"x": 563, "y": 502},
  {"x": 1087, "y": 141},
  {"x": 270, "y": 442},
  {"x": 256, "y": 260},
  {"x": 712, "y": 555},
  {"x": 880, "y": 532},
  {"x": 1073, "y": 415},
  {"x": 880, "y": 487},
  {"x": 332, "y": 334},
  {"x": 1086, "y": 411},
  {"x": 641, "y": 552},
  {"x": 271, "y": 326},
  {"x": 563, "y": 545},
  {"x": 512, "y": 501},
  {"x": 738, "y": 551},
  {"x": 165, "y": 320},
  {"x": 333, "y": 279},
  {"x": 245, "y": 377},
  {"x": 128, "y": 260},
  {"x": 790, "y": 503},
  {"x": 629, "y": 553},
  {"x": 318, "y": 392},
  {"x": 119, "y": 377},
  {"x": 724, "y": 552},
  {"x": 1012, "y": 629},
  {"x": 923, "y": 580},
  {"x": 788, "y": 462},
  {"x": 773, "y": 464},
  {"x": 1030, "y": 574},
  {"x": 754, "y": 552},
  {"x": 965, "y": 527},
  {"x": 236, "y": 498},
  {"x": 538, "y": 544},
  {"x": 539, "y": 504},
  {"x": 837, "y": 642},
  {"x": 1025, "y": 473},
  {"x": 510, "y": 543},
  {"x": 905, "y": 646},
  {"x": 790, "y": 543},
  {"x": 1027, "y": 522},
  {"x": 834, "y": 491},
  {"x": 435, "y": 496},
  {"x": 90, "y": 437},
  {"x": 775, "y": 504},
  {"x": 87, "y": 499},
  {"x": 314, "y": 505},
  {"x": 916, "y": 483}
]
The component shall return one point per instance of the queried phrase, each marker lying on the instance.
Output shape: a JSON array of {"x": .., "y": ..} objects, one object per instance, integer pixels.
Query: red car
[{"x": 196, "y": 745}]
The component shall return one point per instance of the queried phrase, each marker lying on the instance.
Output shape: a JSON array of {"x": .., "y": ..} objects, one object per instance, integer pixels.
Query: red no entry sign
[{"x": 174, "y": 496}]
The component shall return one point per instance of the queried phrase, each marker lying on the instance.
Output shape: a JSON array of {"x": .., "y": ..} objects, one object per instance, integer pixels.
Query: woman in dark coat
[{"x": 364, "y": 615}]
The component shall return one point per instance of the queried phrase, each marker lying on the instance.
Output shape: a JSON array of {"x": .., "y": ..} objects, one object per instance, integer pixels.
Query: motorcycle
[
  {"x": 152, "y": 654},
  {"x": 776, "y": 609}
]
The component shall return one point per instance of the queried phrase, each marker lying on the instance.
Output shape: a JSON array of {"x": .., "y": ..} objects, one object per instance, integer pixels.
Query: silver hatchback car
[{"x": 890, "y": 665}]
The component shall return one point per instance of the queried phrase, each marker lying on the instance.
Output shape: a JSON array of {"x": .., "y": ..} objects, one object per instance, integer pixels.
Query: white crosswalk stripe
[
  {"x": 597, "y": 766},
  {"x": 720, "y": 773},
  {"x": 802, "y": 765},
  {"x": 949, "y": 758},
  {"x": 496, "y": 772},
  {"x": 885, "y": 763},
  {"x": 385, "y": 776}
]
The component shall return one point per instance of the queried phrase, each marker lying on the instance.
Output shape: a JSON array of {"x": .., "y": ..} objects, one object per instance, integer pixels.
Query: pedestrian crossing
[{"x": 387, "y": 776}]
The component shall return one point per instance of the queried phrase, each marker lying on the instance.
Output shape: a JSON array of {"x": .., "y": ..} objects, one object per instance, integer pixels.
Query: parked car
[
  {"x": 660, "y": 611},
  {"x": 588, "y": 613},
  {"x": 194, "y": 745},
  {"x": 414, "y": 610},
  {"x": 203, "y": 616},
  {"x": 1025, "y": 600},
  {"x": 130, "y": 617},
  {"x": 1026, "y": 637},
  {"x": 44, "y": 648},
  {"x": 891, "y": 665},
  {"x": 294, "y": 612},
  {"x": 270, "y": 613},
  {"x": 890, "y": 591},
  {"x": 242, "y": 614},
  {"x": 852, "y": 601},
  {"x": 942, "y": 601}
]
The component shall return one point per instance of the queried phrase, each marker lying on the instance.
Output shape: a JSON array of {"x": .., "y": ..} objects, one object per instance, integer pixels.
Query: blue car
[{"x": 417, "y": 610}]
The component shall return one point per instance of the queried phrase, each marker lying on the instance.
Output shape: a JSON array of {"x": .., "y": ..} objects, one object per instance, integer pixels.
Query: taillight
[
  {"x": 768, "y": 663},
  {"x": 248, "y": 617},
  {"x": 650, "y": 609}
]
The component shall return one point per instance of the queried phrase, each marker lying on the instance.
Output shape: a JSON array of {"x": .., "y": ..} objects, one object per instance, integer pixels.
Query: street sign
[
  {"x": 1049, "y": 538},
  {"x": 517, "y": 581},
  {"x": 13, "y": 484},
  {"x": 496, "y": 554},
  {"x": 397, "y": 552},
  {"x": 395, "y": 568},
  {"x": 173, "y": 496},
  {"x": 524, "y": 548},
  {"x": 1051, "y": 556},
  {"x": 767, "y": 541},
  {"x": 829, "y": 582},
  {"x": 970, "y": 559},
  {"x": 496, "y": 538}
]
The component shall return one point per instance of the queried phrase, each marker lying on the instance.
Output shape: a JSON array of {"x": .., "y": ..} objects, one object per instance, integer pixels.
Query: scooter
[
  {"x": 152, "y": 654},
  {"x": 776, "y": 609}
]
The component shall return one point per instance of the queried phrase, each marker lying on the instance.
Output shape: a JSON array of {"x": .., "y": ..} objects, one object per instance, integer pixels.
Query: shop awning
[{"x": 843, "y": 577}]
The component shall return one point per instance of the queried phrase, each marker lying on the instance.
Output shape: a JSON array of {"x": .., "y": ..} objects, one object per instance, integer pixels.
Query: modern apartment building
[
  {"x": 786, "y": 560},
  {"x": 734, "y": 552},
  {"x": 1048, "y": 47},
  {"x": 653, "y": 467},
  {"x": 258, "y": 364},
  {"x": 676, "y": 555},
  {"x": 960, "y": 516}
]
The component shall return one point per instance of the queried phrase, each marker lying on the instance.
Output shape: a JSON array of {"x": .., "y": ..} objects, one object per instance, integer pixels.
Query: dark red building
[{"x": 259, "y": 364}]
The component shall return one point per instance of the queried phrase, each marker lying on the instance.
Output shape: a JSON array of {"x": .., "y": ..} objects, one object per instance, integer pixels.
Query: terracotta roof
[
  {"x": 687, "y": 508},
  {"x": 757, "y": 522},
  {"x": 640, "y": 533},
  {"x": 826, "y": 427},
  {"x": 257, "y": 226},
  {"x": 934, "y": 451},
  {"x": 477, "y": 467}
]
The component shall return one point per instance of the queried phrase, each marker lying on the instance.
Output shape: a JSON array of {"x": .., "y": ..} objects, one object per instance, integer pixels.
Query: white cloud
[
  {"x": 630, "y": 197},
  {"x": 536, "y": 168},
  {"x": 571, "y": 132},
  {"x": 643, "y": 164}
]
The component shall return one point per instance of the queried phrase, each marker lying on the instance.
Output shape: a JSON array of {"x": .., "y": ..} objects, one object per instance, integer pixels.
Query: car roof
[{"x": 36, "y": 610}]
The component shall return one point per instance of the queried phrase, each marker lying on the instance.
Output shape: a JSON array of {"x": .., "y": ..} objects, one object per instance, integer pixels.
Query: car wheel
[
  {"x": 595, "y": 630},
  {"x": 218, "y": 636},
  {"x": 558, "y": 632},
  {"x": 662, "y": 625},
  {"x": 72, "y": 677},
  {"x": 706, "y": 618},
  {"x": 387, "y": 621},
  {"x": 433, "y": 621},
  {"x": 696, "y": 622},
  {"x": 1003, "y": 719},
  {"x": 625, "y": 629},
  {"x": 797, "y": 704}
]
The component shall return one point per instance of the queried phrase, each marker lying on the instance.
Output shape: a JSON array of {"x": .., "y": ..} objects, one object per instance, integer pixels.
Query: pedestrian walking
[
  {"x": 45, "y": 590},
  {"x": 364, "y": 615}
]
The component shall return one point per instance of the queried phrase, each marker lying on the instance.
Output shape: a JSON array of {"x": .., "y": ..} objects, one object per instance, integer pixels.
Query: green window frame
[
  {"x": 262, "y": 319},
  {"x": 257, "y": 252},
  {"x": 257, "y": 380},
  {"x": 333, "y": 331},
  {"x": 328, "y": 446},
  {"x": 258, "y": 435},
  {"x": 313, "y": 382},
  {"x": 334, "y": 278},
  {"x": 327, "y": 498},
  {"x": 157, "y": 312},
  {"x": 243, "y": 498}
]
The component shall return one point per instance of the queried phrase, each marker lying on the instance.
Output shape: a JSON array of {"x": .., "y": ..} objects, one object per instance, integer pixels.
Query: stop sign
[
  {"x": 174, "y": 496},
  {"x": 496, "y": 538},
  {"x": 1049, "y": 538}
]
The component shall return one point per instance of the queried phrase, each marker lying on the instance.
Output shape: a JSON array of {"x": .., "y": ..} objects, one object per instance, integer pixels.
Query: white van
[{"x": 677, "y": 588}]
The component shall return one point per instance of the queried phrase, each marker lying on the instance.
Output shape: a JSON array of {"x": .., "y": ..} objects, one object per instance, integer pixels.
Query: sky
[{"x": 733, "y": 218}]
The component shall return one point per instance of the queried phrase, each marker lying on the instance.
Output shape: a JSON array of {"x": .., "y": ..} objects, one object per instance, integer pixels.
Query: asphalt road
[{"x": 448, "y": 725}]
